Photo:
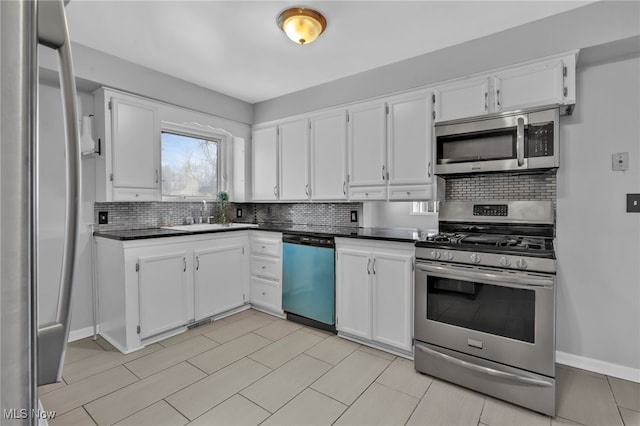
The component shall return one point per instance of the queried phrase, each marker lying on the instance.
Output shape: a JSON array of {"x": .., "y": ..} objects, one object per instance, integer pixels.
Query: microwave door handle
[
  {"x": 485, "y": 370},
  {"x": 520, "y": 141},
  {"x": 484, "y": 277}
]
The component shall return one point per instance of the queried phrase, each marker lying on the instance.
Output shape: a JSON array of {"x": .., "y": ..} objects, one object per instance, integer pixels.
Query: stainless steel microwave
[{"x": 509, "y": 142}]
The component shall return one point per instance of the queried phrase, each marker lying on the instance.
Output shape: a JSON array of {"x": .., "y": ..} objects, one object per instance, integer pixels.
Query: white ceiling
[{"x": 236, "y": 48}]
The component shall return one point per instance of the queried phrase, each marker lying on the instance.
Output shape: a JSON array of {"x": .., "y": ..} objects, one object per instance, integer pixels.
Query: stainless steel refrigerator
[{"x": 31, "y": 354}]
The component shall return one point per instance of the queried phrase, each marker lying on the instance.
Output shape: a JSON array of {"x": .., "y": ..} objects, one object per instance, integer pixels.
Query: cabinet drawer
[
  {"x": 265, "y": 247},
  {"x": 413, "y": 192},
  {"x": 267, "y": 267},
  {"x": 266, "y": 293},
  {"x": 120, "y": 194},
  {"x": 368, "y": 193}
]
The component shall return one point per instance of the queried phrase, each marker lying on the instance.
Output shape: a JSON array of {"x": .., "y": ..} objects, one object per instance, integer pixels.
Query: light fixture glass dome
[{"x": 302, "y": 25}]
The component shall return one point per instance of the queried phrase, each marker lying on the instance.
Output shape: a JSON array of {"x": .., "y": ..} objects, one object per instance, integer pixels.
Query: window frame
[
  {"x": 427, "y": 212},
  {"x": 199, "y": 131}
]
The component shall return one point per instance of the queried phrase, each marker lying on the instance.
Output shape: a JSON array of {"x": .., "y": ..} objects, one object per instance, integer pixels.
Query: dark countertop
[{"x": 386, "y": 234}]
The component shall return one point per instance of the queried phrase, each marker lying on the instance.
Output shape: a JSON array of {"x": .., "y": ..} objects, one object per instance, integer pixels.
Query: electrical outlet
[
  {"x": 354, "y": 215},
  {"x": 633, "y": 203},
  {"x": 103, "y": 218},
  {"x": 620, "y": 161},
  {"x": 238, "y": 212}
]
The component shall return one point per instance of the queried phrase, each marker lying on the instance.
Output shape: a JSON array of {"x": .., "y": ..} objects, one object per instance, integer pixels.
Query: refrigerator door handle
[{"x": 52, "y": 337}]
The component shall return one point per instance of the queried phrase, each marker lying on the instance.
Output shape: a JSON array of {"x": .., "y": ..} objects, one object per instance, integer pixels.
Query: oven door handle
[
  {"x": 507, "y": 281},
  {"x": 484, "y": 370}
]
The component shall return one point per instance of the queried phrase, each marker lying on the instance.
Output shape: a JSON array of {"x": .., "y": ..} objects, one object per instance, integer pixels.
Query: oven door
[{"x": 503, "y": 316}]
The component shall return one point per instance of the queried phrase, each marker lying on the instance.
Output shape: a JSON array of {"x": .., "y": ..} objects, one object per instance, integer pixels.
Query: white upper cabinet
[
  {"x": 294, "y": 158},
  {"x": 466, "y": 98},
  {"x": 134, "y": 138},
  {"x": 265, "y": 164},
  {"x": 545, "y": 82},
  {"x": 128, "y": 128},
  {"x": 530, "y": 86},
  {"x": 367, "y": 149},
  {"x": 328, "y": 156},
  {"x": 409, "y": 139}
]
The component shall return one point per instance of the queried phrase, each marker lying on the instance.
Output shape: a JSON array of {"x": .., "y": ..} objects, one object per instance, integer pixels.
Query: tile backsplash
[
  {"x": 497, "y": 186},
  {"x": 502, "y": 186},
  {"x": 137, "y": 215}
]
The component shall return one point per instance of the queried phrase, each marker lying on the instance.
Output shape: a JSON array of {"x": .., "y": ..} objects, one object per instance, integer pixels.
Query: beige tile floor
[{"x": 252, "y": 368}]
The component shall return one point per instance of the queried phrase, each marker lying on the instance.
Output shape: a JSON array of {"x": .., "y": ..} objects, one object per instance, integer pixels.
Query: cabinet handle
[
  {"x": 275, "y": 190},
  {"x": 306, "y": 189},
  {"x": 498, "y": 99},
  {"x": 184, "y": 262},
  {"x": 344, "y": 188},
  {"x": 157, "y": 176},
  {"x": 383, "y": 172},
  {"x": 264, "y": 267},
  {"x": 368, "y": 264},
  {"x": 197, "y": 263},
  {"x": 429, "y": 169},
  {"x": 263, "y": 246},
  {"x": 264, "y": 293},
  {"x": 373, "y": 266},
  {"x": 486, "y": 101},
  {"x": 408, "y": 193}
]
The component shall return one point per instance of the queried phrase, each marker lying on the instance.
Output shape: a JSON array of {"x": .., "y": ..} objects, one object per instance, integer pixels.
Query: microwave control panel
[{"x": 540, "y": 143}]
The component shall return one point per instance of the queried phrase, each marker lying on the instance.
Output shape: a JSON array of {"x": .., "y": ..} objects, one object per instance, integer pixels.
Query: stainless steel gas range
[{"x": 485, "y": 300}]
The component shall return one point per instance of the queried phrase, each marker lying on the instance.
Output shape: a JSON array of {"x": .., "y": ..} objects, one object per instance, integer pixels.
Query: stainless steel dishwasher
[{"x": 308, "y": 280}]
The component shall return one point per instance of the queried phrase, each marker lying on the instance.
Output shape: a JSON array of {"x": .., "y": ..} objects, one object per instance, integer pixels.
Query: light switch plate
[
  {"x": 620, "y": 161},
  {"x": 633, "y": 203}
]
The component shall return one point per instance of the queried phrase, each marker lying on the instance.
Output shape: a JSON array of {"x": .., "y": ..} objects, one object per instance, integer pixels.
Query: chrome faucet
[{"x": 203, "y": 210}]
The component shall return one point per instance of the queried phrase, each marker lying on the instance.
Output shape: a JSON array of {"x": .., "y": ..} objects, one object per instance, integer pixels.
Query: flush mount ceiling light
[{"x": 302, "y": 25}]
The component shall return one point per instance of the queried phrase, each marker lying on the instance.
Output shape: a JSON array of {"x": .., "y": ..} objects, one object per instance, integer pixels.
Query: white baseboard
[
  {"x": 80, "y": 334},
  {"x": 597, "y": 366}
]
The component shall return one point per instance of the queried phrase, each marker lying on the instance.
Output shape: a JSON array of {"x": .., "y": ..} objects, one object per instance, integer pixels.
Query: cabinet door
[
  {"x": 353, "y": 292},
  {"x": 328, "y": 145},
  {"x": 531, "y": 86},
  {"x": 367, "y": 144},
  {"x": 468, "y": 98},
  {"x": 162, "y": 293},
  {"x": 219, "y": 278},
  {"x": 294, "y": 158},
  {"x": 392, "y": 308},
  {"x": 265, "y": 164},
  {"x": 135, "y": 138},
  {"x": 410, "y": 128}
]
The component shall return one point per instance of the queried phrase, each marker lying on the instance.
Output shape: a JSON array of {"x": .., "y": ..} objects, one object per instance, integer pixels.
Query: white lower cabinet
[
  {"x": 266, "y": 271},
  {"x": 151, "y": 289},
  {"x": 163, "y": 292},
  {"x": 219, "y": 270},
  {"x": 374, "y": 287}
]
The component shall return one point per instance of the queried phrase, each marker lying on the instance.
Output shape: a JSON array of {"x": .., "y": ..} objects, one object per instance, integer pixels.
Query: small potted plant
[{"x": 223, "y": 200}]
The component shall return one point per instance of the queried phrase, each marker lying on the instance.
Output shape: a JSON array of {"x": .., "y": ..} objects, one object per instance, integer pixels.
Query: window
[
  {"x": 423, "y": 207},
  {"x": 189, "y": 166}
]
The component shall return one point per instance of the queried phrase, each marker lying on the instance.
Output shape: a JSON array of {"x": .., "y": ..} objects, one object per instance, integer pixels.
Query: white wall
[
  {"x": 51, "y": 183},
  {"x": 598, "y": 243}
]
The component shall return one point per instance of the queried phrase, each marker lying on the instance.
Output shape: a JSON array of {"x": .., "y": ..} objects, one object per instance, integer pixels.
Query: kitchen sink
[{"x": 209, "y": 226}]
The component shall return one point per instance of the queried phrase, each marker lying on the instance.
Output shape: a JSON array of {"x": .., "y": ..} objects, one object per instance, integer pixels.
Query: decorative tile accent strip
[
  {"x": 138, "y": 215},
  {"x": 502, "y": 186}
]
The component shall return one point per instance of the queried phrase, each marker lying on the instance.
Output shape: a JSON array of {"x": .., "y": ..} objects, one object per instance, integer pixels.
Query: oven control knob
[
  {"x": 475, "y": 258},
  {"x": 504, "y": 261},
  {"x": 521, "y": 264},
  {"x": 435, "y": 254},
  {"x": 448, "y": 255}
]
